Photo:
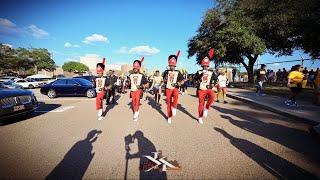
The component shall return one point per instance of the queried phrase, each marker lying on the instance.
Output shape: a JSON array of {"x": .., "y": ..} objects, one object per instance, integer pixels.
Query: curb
[{"x": 274, "y": 110}]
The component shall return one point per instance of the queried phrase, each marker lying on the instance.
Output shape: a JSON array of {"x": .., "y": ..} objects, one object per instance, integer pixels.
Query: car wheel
[
  {"x": 30, "y": 86},
  {"x": 91, "y": 93},
  {"x": 52, "y": 93}
]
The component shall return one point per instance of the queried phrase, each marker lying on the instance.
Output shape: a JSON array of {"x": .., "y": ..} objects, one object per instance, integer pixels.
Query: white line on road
[
  {"x": 59, "y": 110},
  {"x": 71, "y": 99}
]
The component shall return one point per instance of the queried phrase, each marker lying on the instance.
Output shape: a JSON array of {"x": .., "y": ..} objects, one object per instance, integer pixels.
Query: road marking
[
  {"x": 71, "y": 99},
  {"x": 59, "y": 110}
]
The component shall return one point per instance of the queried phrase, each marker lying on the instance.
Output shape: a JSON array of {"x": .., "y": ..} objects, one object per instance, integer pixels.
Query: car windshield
[
  {"x": 83, "y": 81},
  {"x": 8, "y": 83},
  {"x": 60, "y": 82}
]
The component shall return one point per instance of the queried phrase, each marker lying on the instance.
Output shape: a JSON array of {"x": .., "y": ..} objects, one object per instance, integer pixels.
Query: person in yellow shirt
[{"x": 296, "y": 81}]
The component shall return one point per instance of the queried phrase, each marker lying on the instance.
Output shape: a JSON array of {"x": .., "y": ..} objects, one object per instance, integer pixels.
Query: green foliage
[
  {"x": 42, "y": 59},
  {"x": 241, "y": 30},
  {"x": 22, "y": 58},
  {"x": 73, "y": 66}
]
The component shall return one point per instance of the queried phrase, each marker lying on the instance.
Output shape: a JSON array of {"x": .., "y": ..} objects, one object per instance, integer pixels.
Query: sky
[{"x": 120, "y": 30}]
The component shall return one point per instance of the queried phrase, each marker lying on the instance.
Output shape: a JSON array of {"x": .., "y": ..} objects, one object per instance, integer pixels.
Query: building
[
  {"x": 90, "y": 61},
  {"x": 56, "y": 72},
  {"x": 125, "y": 68}
]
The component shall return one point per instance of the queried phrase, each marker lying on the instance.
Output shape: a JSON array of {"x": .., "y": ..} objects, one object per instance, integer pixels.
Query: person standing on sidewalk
[
  {"x": 234, "y": 73},
  {"x": 222, "y": 86},
  {"x": 206, "y": 79},
  {"x": 157, "y": 82},
  {"x": 296, "y": 81},
  {"x": 261, "y": 77},
  {"x": 100, "y": 82},
  {"x": 173, "y": 79},
  {"x": 138, "y": 82}
]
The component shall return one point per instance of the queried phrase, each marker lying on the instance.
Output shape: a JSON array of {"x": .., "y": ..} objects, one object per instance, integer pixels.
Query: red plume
[
  {"x": 178, "y": 53},
  {"x": 211, "y": 53},
  {"x": 142, "y": 59},
  {"x": 103, "y": 60}
]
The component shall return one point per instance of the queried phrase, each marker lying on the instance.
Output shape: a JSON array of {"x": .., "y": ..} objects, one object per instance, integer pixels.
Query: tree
[
  {"x": 24, "y": 61},
  {"x": 8, "y": 58},
  {"x": 42, "y": 59},
  {"x": 232, "y": 35},
  {"x": 22, "y": 58},
  {"x": 73, "y": 66},
  {"x": 241, "y": 30},
  {"x": 286, "y": 25}
]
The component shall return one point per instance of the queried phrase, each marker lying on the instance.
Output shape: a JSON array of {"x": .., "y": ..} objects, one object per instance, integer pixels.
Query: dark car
[
  {"x": 69, "y": 87},
  {"x": 16, "y": 102},
  {"x": 89, "y": 78}
]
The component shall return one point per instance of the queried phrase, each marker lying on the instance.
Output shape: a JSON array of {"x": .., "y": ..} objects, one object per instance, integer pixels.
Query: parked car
[
  {"x": 60, "y": 76},
  {"x": 7, "y": 78},
  {"x": 39, "y": 82},
  {"x": 27, "y": 84},
  {"x": 16, "y": 102},
  {"x": 43, "y": 80},
  {"x": 11, "y": 85},
  {"x": 69, "y": 87},
  {"x": 89, "y": 78}
]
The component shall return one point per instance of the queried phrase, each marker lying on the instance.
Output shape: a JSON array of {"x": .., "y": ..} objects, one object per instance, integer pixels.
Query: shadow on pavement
[
  {"x": 274, "y": 164},
  {"x": 77, "y": 160},
  {"x": 182, "y": 109},
  {"x": 156, "y": 106},
  {"x": 111, "y": 105},
  {"x": 295, "y": 139},
  {"x": 145, "y": 147},
  {"x": 42, "y": 109}
]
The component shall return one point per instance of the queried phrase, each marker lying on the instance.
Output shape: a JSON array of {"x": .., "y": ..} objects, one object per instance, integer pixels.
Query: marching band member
[
  {"x": 100, "y": 88},
  {"x": 206, "y": 79},
  {"x": 138, "y": 82},
  {"x": 173, "y": 79}
]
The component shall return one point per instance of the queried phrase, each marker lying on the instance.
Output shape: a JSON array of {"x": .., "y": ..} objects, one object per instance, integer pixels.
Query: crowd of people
[
  {"x": 171, "y": 83},
  {"x": 296, "y": 79},
  {"x": 211, "y": 85}
]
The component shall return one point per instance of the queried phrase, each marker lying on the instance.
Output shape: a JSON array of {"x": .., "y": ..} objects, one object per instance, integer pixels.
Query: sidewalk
[{"x": 306, "y": 112}]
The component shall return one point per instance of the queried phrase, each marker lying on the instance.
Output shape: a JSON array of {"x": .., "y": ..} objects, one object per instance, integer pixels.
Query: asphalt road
[{"x": 236, "y": 141}]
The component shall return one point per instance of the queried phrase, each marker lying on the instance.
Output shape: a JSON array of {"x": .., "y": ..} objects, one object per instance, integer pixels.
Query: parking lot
[{"x": 236, "y": 141}]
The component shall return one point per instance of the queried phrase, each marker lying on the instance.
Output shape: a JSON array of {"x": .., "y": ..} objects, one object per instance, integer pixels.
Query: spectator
[
  {"x": 222, "y": 86},
  {"x": 305, "y": 71},
  {"x": 261, "y": 77},
  {"x": 296, "y": 81},
  {"x": 234, "y": 72},
  {"x": 267, "y": 74},
  {"x": 311, "y": 78},
  {"x": 284, "y": 75},
  {"x": 279, "y": 75},
  {"x": 271, "y": 76}
]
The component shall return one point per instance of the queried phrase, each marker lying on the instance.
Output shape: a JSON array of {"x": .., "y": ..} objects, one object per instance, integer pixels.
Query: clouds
[
  {"x": 7, "y": 27},
  {"x": 69, "y": 45},
  {"x": 37, "y": 32},
  {"x": 95, "y": 38},
  {"x": 144, "y": 50},
  {"x": 6, "y": 23}
]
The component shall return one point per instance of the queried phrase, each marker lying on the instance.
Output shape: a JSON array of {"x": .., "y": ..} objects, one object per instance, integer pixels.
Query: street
[{"x": 236, "y": 141}]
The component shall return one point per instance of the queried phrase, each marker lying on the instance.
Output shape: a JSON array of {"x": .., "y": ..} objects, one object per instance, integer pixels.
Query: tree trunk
[{"x": 249, "y": 67}]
